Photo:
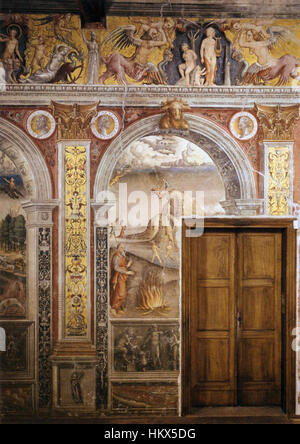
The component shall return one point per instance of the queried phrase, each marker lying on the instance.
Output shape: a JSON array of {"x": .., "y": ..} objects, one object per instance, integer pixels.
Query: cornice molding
[{"x": 149, "y": 96}]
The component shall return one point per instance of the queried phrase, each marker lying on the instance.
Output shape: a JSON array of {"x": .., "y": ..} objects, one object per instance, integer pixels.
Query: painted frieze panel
[
  {"x": 146, "y": 348},
  {"x": 145, "y": 397},
  {"x": 49, "y": 49}
]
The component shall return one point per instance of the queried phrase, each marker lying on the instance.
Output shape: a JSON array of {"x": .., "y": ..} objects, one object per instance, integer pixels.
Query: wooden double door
[{"x": 236, "y": 318}]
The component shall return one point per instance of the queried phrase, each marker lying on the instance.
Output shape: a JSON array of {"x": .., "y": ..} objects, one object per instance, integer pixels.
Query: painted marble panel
[
  {"x": 12, "y": 240},
  {"x": 145, "y": 259},
  {"x": 157, "y": 51},
  {"x": 144, "y": 397}
]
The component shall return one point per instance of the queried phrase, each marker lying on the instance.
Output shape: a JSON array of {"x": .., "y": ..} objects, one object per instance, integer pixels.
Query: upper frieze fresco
[{"x": 48, "y": 49}]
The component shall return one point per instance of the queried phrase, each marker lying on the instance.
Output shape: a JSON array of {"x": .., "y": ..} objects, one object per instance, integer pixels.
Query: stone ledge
[{"x": 149, "y": 95}]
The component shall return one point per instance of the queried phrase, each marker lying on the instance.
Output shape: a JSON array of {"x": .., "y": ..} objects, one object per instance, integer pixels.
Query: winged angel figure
[
  {"x": 137, "y": 67},
  {"x": 261, "y": 37}
]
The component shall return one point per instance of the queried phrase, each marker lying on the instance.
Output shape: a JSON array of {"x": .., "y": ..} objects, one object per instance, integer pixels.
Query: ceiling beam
[{"x": 38, "y": 6}]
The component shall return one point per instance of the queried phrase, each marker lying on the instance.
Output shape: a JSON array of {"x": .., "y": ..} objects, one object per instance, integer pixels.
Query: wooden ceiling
[{"x": 94, "y": 10}]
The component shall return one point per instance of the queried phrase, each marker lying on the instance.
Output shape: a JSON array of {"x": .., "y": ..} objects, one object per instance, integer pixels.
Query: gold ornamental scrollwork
[
  {"x": 76, "y": 251},
  {"x": 74, "y": 121},
  {"x": 279, "y": 181},
  {"x": 277, "y": 123}
]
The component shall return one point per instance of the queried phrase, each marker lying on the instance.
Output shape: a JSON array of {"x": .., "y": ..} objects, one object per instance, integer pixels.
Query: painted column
[{"x": 39, "y": 241}]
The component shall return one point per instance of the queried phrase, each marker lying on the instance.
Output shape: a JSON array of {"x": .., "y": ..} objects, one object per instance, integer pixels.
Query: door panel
[
  {"x": 236, "y": 318},
  {"x": 259, "y": 307},
  {"x": 262, "y": 298},
  {"x": 214, "y": 364},
  {"x": 257, "y": 255},
  {"x": 212, "y": 320},
  {"x": 213, "y": 308}
]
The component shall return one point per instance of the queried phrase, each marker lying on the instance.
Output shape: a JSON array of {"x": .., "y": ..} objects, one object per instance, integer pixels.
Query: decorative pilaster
[
  {"x": 39, "y": 237},
  {"x": 74, "y": 356},
  {"x": 76, "y": 245},
  {"x": 279, "y": 159},
  {"x": 102, "y": 317},
  {"x": 74, "y": 132},
  {"x": 277, "y": 136},
  {"x": 45, "y": 317},
  {"x": 101, "y": 306}
]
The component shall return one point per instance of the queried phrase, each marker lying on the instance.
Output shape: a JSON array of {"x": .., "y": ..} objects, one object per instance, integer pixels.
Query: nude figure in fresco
[
  {"x": 138, "y": 66},
  {"x": 152, "y": 343},
  {"x": 12, "y": 46},
  {"x": 62, "y": 25},
  {"x": 190, "y": 58},
  {"x": 119, "y": 276},
  {"x": 11, "y": 58},
  {"x": 39, "y": 49},
  {"x": 267, "y": 67},
  {"x": 209, "y": 56},
  {"x": 47, "y": 74},
  {"x": 155, "y": 251}
]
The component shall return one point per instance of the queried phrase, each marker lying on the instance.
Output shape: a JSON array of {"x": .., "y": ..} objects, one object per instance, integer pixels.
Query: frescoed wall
[
  {"x": 48, "y": 49},
  {"x": 159, "y": 165},
  {"x": 13, "y": 240},
  {"x": 155, "y": 107}
]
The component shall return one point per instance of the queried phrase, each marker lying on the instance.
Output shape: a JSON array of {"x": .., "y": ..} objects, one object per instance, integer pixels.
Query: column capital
[
  {"x": 38, "y": 213},
  {"x": 74, "y": 121},
  {"x": 277, "y": 123}
]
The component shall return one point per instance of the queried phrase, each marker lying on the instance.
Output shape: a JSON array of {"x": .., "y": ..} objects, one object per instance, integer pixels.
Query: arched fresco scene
[
  {"x": 149, "y": 212},
  {"x": 159, "y": 164}
]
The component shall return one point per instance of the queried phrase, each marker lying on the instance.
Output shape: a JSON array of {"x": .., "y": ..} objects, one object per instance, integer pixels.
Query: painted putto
[{"x": 47, "y": 49}]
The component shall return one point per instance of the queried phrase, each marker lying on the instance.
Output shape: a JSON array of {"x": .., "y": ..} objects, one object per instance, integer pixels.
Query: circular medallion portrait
[
  {"x": 105, "y": 125},
  {"x": 41, "y": 125},
  {"x": 243, "y": 126}
]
